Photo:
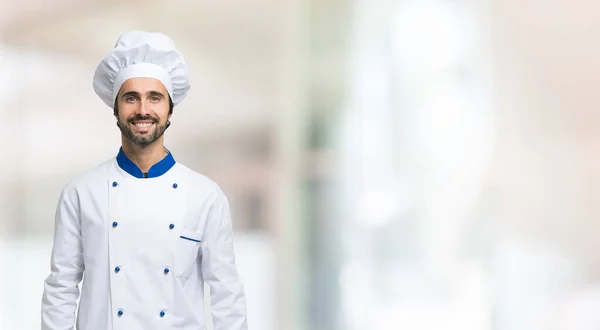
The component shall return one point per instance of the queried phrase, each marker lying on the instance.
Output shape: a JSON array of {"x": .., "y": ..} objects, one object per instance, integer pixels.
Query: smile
[{"x": 143, "y": 124}]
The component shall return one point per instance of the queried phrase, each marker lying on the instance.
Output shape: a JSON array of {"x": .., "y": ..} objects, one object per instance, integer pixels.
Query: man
[{"x": 146, "y": 231}]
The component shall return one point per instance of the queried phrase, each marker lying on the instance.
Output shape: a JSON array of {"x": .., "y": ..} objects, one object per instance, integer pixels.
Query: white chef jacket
[{"x": 146, "y": 244}]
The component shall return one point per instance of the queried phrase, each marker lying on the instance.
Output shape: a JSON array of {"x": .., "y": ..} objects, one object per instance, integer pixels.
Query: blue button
[
  {"x": 174, "y": 185},
  {"x": 115, "y": 183},
  {"x": 115, "y": 224},
  {"x": 167, "y": 270},
  {"x": 171, "y": 226},
  {"x": 162, "y": 313},
  {"x": 120, "y": 312},
  {"x": 117, "y": 269}
]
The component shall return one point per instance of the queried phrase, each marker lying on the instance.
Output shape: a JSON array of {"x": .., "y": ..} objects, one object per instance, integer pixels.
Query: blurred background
[{"x": 409, "y": 164}]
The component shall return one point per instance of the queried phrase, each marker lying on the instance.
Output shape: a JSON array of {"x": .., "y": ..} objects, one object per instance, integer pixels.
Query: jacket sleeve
[
  {"x": 61, "y": 290},
  {"x": 228, "y": 301}
]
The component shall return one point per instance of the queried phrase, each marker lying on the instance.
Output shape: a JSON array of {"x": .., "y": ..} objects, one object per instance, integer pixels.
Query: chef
[{"x": 146, "y": 231}]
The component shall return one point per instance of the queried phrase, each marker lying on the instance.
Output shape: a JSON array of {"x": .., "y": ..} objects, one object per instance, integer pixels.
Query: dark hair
[{"x": 116, "y": 107}]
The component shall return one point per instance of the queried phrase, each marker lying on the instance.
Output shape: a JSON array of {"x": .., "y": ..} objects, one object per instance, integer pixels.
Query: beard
[{"x": 142, "y": 139}]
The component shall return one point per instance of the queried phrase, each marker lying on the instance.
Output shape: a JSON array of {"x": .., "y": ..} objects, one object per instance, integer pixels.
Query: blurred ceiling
[{"x": 228, "y": 28}]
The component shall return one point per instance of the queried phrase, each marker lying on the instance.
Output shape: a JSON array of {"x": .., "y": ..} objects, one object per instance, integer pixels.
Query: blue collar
[{"x": 156, "y": 170}]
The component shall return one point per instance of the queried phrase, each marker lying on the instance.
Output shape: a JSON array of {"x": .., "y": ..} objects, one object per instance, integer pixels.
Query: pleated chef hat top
[{"x": 142, "y": 54}]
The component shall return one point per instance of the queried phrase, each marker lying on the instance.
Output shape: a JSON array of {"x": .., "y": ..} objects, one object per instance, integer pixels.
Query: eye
[
  {"x": 155, "y": 98},
  {"x": 130, "y": 99}
]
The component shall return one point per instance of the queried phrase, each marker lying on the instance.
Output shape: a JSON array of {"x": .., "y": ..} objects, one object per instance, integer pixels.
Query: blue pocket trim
[{"x": 191, "y": 239}]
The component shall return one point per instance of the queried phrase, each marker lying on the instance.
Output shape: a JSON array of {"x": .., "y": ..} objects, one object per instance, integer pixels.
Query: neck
[{"x": 144, "y": 156}]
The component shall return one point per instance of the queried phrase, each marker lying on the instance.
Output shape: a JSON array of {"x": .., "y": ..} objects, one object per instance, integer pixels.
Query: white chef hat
[{"x": 142, "y": 54}]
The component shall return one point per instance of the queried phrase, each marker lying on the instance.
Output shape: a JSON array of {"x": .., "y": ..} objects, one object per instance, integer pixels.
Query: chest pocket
[{"x": 188, "y": 249}]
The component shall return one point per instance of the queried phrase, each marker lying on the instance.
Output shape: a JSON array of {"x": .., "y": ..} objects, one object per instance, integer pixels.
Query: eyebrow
[
  {"x": 156, "y": 93},
  {"x": 130, "y": 93},
  {"x": 136, "y": 94}
]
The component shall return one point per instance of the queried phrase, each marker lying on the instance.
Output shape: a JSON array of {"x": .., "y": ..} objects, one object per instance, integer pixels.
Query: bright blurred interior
[{"x": 415, "y": 165}]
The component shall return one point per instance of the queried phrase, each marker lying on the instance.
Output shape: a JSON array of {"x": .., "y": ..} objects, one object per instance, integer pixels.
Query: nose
[{"x": 145, "y": 108}]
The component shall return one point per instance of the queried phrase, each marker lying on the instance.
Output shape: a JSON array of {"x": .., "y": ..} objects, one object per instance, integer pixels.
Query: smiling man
[
  {"x": 149, "y": 128},
  {"x": 146, "y": 231}
]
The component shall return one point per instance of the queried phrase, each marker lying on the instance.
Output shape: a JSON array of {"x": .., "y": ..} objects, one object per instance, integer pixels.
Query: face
[{"x": 143, "y": 110}]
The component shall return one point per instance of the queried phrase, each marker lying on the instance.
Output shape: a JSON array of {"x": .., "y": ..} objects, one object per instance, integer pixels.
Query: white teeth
[{"x": 143, "y": 124}]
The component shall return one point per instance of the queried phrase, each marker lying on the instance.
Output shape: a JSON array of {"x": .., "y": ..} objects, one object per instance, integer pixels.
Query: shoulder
[
  {"x": 90, "y": 177},
  {"x": 201, "y": 184},
  {"x": 84, "y": 182}
]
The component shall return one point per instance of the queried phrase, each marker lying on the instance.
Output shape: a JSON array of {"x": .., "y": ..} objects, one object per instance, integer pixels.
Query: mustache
[{"x": 140, "y": 117}]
